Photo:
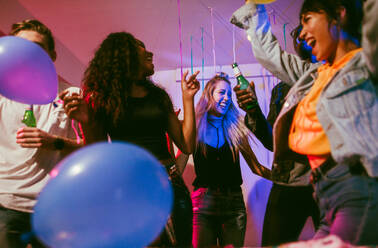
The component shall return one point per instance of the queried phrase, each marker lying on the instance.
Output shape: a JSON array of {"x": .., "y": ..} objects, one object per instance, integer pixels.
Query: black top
[
  {"x": 217, "y": 168},
  {"x": 261, "y": 127},
  {"x": 145, "y": 124}
]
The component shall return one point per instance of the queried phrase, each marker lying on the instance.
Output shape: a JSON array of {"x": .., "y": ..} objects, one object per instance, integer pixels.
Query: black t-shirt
[
  {"x": 217, "y": 168},
  {"x": 145, "y": 124}
]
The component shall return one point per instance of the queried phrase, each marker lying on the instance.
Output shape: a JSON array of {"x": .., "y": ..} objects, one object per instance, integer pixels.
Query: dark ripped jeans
[{"x": 219, "y": 217}]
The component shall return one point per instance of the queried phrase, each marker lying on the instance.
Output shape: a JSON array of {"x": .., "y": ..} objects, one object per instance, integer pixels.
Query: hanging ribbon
[
  {"x": 180, "y": 36},
  {"x": 203, "y": 60},
  {"x": 233, "y": 43},
  {"x": 213, "y": 37},
  {"x": 191, "y": 54},
  {"x": 284, "y": 33}
]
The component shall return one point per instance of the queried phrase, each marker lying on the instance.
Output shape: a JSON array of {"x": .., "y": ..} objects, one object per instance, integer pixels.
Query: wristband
[{"x": 59, "y": 144}]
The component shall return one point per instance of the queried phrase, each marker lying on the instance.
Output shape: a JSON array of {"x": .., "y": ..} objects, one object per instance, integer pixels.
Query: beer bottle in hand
[
  {"x": 244, "y": 85},
  {"x": 29, "y": 119}
]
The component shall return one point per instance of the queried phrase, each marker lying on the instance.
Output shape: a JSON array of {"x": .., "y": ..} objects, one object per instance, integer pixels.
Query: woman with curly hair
[
  {"x": 119, "y": 102},
  {"x": 218, "y": 206}
]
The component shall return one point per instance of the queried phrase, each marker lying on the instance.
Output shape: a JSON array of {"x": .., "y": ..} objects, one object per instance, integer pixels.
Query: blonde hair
[{"x": 234, "y": 129}]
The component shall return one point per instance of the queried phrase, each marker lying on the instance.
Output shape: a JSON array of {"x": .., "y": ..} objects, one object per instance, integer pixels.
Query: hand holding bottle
[
  {"x": 32, "y": 137},
  {"x": 248, "y": 100},
  {"x": 247, "y": 97}
]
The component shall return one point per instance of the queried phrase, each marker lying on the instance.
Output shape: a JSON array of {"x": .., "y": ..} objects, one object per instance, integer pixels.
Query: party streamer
[
  {"x": 203, "y": 60},
  {"x": 269, "y": 16},
  {"x": 180, "y": 36},
  {"x": 233, "y": 42},
  {"x": 191, "y": 54},
  {"x": 213, "y": 37},
  {"x": 284, "y": 33}
]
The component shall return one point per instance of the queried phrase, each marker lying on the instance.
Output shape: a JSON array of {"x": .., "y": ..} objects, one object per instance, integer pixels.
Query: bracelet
[{"x": 59, "y": 144}]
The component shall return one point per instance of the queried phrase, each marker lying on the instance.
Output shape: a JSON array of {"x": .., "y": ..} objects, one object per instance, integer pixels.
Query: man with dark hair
[{"x": 27, "y": 154}]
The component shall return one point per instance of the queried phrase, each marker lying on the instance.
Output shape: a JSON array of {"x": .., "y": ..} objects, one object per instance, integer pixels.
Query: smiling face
[
  {"x": 145, "y": 59},
  {"x": 321, "y": 34},
  {"x": 221, "y": 98}
]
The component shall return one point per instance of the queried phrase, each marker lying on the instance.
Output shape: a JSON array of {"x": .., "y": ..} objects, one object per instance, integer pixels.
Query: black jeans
[
  {"x": 182, "y": 215},
  {"x": 218, "y": 215},
  {"x": 286, "y": 213},
  {"x": 15, "y": 230},
  {"x": 178, "y": 230}
]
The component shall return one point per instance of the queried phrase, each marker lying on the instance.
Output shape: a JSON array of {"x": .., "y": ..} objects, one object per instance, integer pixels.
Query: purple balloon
[{"x": 27, "y": 73}]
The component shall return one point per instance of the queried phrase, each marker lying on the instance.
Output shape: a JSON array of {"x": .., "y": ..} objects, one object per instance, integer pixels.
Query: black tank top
[
  {"x": 217, "y": 168},
  {"x": 145, "y": 124}
]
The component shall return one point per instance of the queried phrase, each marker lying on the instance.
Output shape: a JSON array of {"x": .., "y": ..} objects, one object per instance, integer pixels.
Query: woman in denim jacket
[{"x": 336, "y": 102}]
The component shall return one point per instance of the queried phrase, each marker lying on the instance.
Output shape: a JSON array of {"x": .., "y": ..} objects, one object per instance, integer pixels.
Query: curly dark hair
[{"x": 107, "y": 80}]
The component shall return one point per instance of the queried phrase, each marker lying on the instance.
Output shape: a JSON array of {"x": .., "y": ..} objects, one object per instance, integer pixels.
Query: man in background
[{"x": 27, "y": 154}]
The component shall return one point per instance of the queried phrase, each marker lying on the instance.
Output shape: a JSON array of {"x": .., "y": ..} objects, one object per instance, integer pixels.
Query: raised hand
[
  {"x": 246, "y": 97},
  {"x": 75, "y": 106},
  {"x": 191, "y": 86}
]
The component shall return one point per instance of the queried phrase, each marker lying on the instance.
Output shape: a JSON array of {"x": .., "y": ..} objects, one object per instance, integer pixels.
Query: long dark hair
[
  {"x": 109, "y": 76},
  {"x": 353, "y": 24}
]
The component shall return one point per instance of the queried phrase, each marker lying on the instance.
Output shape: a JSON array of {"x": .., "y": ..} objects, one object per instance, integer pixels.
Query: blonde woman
[{"x": 219, "y": 215}]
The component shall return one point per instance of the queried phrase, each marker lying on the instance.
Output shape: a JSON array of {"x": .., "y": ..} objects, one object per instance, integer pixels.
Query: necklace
[{"x": 216, "y": 122}]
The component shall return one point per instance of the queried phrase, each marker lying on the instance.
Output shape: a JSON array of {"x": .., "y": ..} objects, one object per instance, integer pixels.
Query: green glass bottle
[
  {"x": 29, "y": 119},
  {"x": 243, "y": 84}
]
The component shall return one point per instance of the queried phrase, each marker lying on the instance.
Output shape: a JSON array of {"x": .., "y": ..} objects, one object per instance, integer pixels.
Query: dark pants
[
  {"x": 15, "y": 229},
  {"x": 182, "y": 215},
  {"x": 219, "y": 217},
  {"x": 178, "y": 230},
  {"x": 348, "y": 202},
  {"x": 286, "y": 213}
]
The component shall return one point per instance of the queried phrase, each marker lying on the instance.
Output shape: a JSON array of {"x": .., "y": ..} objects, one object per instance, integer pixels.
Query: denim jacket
[{"x": 347, "y": 108}]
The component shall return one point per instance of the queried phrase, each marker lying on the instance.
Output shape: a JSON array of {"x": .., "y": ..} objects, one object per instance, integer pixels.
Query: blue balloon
[
  {"x": 27, "y": 73},
  {"x": 104, "y": 195}
]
